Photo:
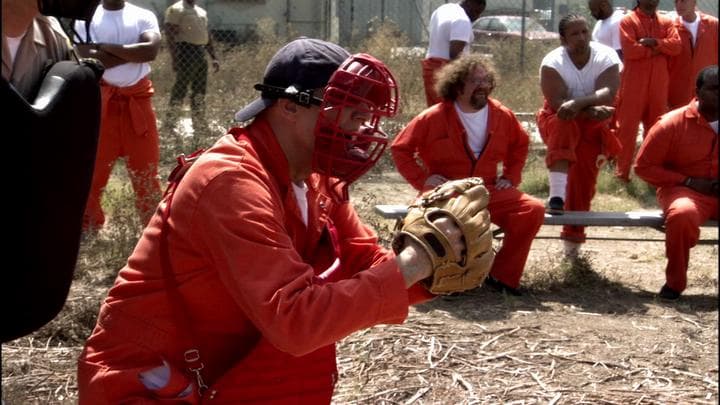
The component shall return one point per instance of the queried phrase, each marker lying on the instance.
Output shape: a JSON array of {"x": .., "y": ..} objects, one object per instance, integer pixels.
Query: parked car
[{"x": 510, "y": 27}]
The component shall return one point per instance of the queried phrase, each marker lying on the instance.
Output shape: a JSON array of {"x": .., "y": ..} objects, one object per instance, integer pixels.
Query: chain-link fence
[{"x": 247, "y": 32}]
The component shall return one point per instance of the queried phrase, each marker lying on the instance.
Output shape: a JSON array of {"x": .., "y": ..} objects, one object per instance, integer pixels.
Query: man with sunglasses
[
  {"x": 470, "y": 134},
  {"x": 256, "y": 263}
]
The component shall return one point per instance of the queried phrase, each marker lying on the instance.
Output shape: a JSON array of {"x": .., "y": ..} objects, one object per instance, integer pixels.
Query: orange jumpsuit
[
  {"x": 127, "y": 129},
  {"x": 263, "y": 311},
  {"x": 644, "y": 85},
  {"x": 682, "y": 144},
  {"x": 684, "y": 68},
  {"x": 580, "y": 142},
  {"x": 438, "y": 138},
  {"x": 429, "y": 67}
]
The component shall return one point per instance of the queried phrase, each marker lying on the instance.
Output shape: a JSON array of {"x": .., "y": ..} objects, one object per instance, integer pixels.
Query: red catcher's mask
[{"x": 361, "y": 86}]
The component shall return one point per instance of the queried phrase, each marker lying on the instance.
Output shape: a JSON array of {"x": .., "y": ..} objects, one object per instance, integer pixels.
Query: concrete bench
[{"x": 652, "y": 219}]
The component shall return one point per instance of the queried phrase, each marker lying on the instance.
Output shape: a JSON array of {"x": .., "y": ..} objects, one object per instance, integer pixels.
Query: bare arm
[
  {"x": 597, "y": 105},
  {"x": 171, "y": 32},
  {"x": 553, "y": 87},
  {"x": 93, "y": 51},
  {"x": 211, "y": 51},
  {"x": 145, "y": 50},
  {"x": 456, "y": 49}
]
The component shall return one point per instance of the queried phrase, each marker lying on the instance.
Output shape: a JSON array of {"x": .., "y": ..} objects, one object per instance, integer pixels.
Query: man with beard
[
  {"x": 607, "y": 27},
  {"x": 680, "y": 158},
  {"x": 648, "y": 40},
  {"x": 471, "y": 134},
  {"x": 579, "y": 81}
]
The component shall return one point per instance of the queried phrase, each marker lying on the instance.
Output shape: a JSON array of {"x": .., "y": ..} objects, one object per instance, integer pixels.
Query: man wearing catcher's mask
[
  {"x": 471, "y": 134},
  {"x": 255, "y": 263},
  {"x": 579, "y": 81}
]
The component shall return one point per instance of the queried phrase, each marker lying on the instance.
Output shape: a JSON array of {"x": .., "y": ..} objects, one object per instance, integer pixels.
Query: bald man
[
  {"x": 607, "y": 27},
  {"x": 680, "y": 158}
]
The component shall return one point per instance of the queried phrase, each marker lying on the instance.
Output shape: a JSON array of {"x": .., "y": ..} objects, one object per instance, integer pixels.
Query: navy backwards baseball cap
[{"x": 294, "y": 72}]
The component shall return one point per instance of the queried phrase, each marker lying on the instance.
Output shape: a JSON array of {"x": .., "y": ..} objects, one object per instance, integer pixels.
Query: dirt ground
[{"x": 585, "y": 332}]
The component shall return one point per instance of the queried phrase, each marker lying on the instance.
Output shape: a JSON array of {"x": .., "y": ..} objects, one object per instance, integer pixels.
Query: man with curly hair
[{"x": 471, "y": 134}]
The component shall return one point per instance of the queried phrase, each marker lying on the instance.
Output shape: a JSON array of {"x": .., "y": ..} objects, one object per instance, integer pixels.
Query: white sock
[{"x": 558, "y": 184}]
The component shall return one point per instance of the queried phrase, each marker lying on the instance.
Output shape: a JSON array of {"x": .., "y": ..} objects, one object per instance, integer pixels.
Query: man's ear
[{"x": 287, "y": 107}]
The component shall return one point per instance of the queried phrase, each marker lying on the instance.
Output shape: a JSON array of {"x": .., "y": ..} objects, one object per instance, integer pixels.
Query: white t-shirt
[
  {"x": 448, "y": 22},
  {"x": 300, "y": 191},
  {"x": 581, "y": 82},
  {"x": 607, "y": 31},
  {"x": 121, "y": 27},
  {"x": 475, "y": 124},
  {"x": 692, "y": 26}
]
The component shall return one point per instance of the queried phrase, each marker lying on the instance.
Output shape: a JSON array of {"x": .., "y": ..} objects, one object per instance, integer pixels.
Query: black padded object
[{"x": 53, "y": 142}]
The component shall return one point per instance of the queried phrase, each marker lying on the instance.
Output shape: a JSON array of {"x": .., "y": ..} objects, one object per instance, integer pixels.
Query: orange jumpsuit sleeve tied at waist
[{"x": 129, "y": 95}]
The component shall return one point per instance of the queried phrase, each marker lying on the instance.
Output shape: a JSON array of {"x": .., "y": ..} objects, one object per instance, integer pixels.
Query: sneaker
[
  {"x": 499, "y": 286},
  {"x": 668, "y": 293},
  {"x": 555, "y": 206}
]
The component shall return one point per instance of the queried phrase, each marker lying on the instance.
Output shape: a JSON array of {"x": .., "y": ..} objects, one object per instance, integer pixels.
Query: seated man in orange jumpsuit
[
  {"x": 579, "y": 81},
  {"x": 256, "y": 263},
  {"x": 648, "y": 39},
  {"x": 680, "y": 158},
  {"x": 470, "y": 134},
  {"x": 127, "y": 38},
  {"x": 699, "y": 35}
]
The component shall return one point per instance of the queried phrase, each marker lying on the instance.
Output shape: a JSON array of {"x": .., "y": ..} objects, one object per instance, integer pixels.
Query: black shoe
[
  {"x": 499, "y": 286},
  {"x": 555, "y": 206},
  {"x": 668, "y": 293}
]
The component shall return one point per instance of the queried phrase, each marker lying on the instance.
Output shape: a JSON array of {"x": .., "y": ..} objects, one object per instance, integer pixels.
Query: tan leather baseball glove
[{"x": 465, "y": 202}]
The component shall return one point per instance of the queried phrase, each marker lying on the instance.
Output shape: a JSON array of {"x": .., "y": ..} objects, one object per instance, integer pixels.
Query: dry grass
[{"x": 590, "y": 331}]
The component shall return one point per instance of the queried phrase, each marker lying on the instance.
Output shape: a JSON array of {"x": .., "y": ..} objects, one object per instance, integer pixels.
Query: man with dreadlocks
[{"x": 579, "y": 80}]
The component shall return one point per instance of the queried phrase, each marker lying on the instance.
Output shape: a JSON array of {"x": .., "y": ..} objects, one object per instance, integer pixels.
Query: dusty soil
[{"x": 590, "y": 331}]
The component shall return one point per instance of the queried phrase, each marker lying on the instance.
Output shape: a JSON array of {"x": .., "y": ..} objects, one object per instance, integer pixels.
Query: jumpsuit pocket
[{"x": 98, "y": 384}]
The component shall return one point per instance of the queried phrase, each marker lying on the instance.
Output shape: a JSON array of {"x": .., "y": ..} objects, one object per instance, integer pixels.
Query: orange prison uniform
[
  {"x": 438, "y": 138},
  {"x": 429, "y": 67},
  {"x": 682, "y": 144},
  {"x": 127, "y": 129},
  {"x": 578, "y": 141},
  {"x": 684, "y": 68},
  {"x": 262, "y": 309},
  {"x": 644, "y": 86}
]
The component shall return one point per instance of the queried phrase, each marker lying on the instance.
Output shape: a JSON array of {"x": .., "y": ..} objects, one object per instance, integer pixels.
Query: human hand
[
  {"x": 568, "y": 110},
  {"x": 414, "y": 261},
  {"x": 86, "y": 50},
  {"x": 648, "y": 42},
  {"x": 216, "y": 65},
  {"x": 502, "y": 183},
  {"x": 701, "y": 185},
  {"x": 599, "y": 112}
]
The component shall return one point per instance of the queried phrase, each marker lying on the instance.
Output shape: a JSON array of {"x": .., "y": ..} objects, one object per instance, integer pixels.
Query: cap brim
[{"x": 251, "y": 110}]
